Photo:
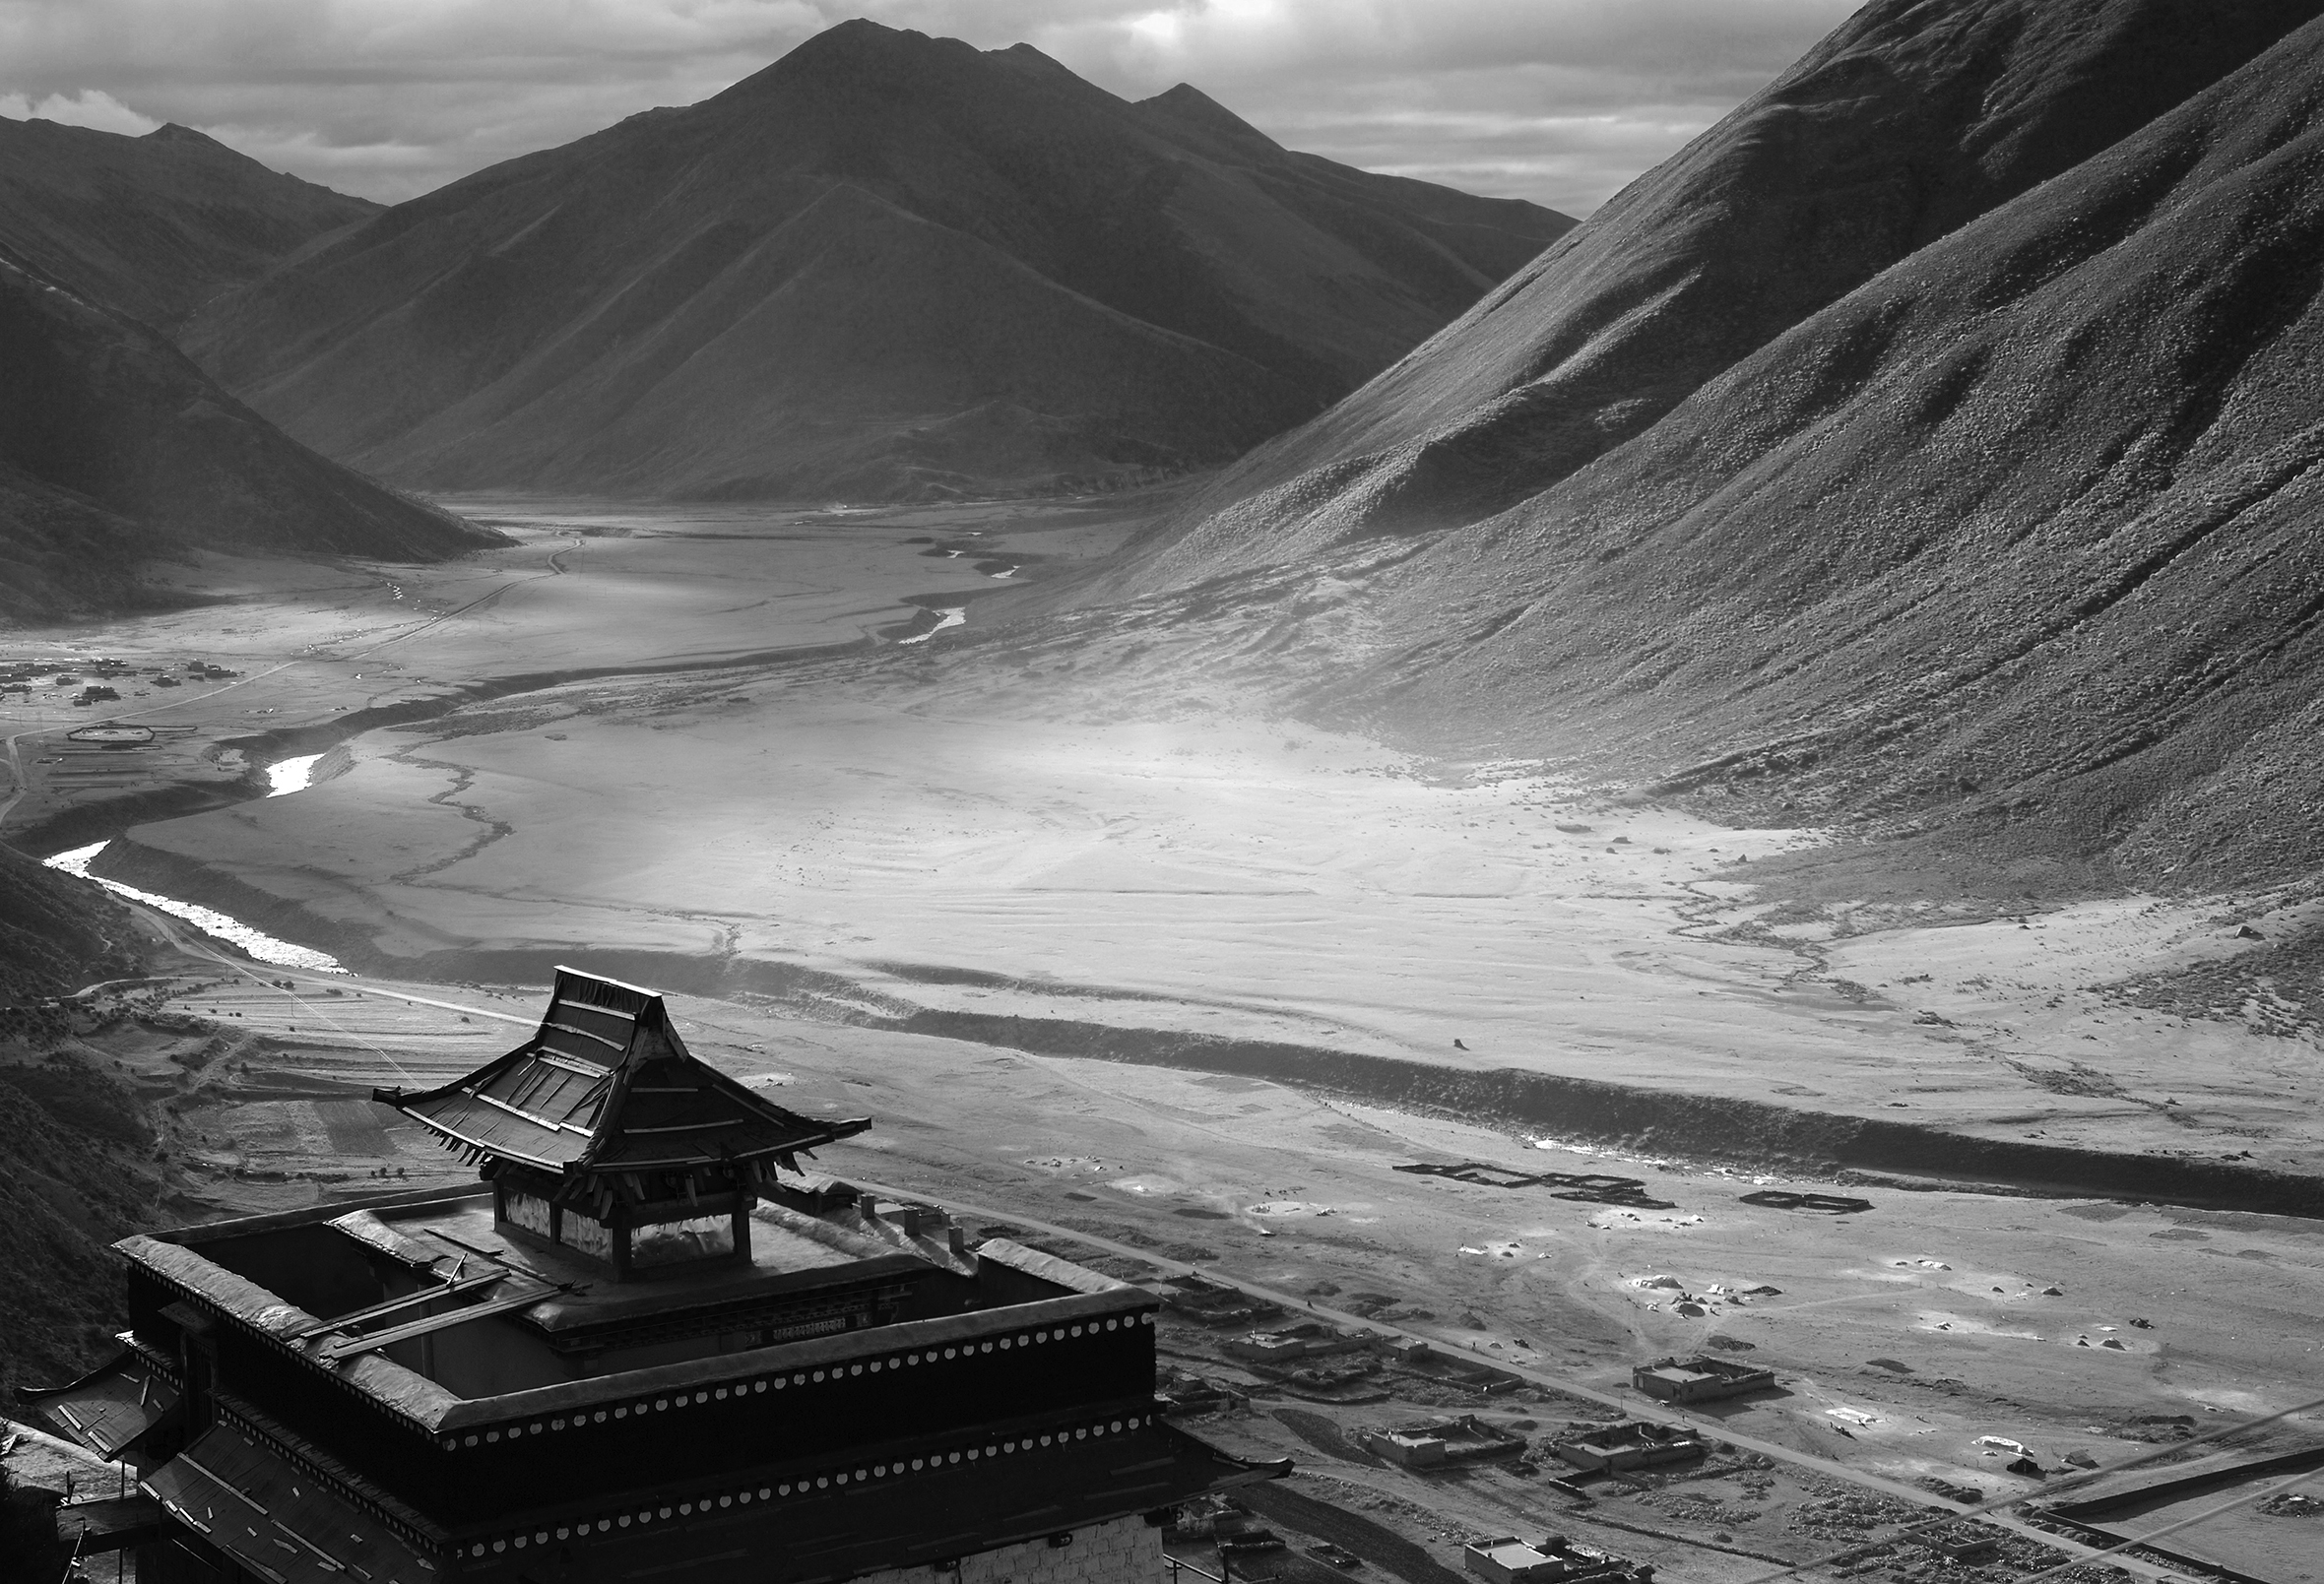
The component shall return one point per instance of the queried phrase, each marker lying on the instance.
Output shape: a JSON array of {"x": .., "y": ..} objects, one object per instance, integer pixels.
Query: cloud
[
  {"x": 1557, "y": 100},
  {"x": 88, "y": 108}
]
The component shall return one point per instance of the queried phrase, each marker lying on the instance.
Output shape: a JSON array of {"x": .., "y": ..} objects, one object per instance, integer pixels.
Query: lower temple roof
[
  {"x": 277, "y": 1520},
  {"x": 110, "y": 1409}
]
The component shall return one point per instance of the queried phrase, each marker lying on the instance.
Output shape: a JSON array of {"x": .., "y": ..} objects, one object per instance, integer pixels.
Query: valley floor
[
  {"x": 937, "y": 881},
  {"x": 946, "y": 834}
]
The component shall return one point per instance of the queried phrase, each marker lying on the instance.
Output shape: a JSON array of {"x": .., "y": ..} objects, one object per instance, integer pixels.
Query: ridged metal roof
[
  {"x": 606, "y": 1086},
  {"x": 110, "y": 1409},
  {"x": 283, "y": 1524}
]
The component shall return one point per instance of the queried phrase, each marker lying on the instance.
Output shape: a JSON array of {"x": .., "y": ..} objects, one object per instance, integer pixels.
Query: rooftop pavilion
[
  {"x": 608, "y": 1142},
  {"x": 648, "y": 1341},
  {"x": 442, "y": 1288}
]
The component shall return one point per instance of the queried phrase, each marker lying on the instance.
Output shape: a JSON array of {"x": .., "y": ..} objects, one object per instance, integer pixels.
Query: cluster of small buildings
[
  {"x": 1215, "y": 1304},
  {"x": 1302, "y": 1341},
  {"x": 23, "y": 676},
  {"x": 1334, "y": 1365}
]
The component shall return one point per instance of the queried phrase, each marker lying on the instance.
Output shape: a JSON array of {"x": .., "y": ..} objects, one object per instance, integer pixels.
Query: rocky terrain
[
  {"x": 887, "y": 266},
  {"x": 154, "y": 226}
]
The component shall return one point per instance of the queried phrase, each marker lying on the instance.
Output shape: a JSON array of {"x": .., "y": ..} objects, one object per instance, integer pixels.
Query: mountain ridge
[
  {"x": 115, "y": 450},
  {"x": 1911, "y": 119},
  {"x": 1176, "y": 286},
  {"x": 156, "y": 225}
]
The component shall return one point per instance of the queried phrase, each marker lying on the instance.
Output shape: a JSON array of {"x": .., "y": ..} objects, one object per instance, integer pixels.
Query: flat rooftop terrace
[
  {"x": 426, "y": 1302},
  {"x": 791, "y": 1254}
]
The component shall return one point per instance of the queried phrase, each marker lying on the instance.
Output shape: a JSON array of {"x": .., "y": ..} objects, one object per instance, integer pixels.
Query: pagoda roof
[{"x": 606, "y": 1086}]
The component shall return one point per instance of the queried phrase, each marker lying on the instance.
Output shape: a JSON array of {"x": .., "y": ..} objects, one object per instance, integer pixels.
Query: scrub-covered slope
[
  {"x": 886, "y": 265},
  {"x": 1913, "y": 119},
  {"x": 2026, "y": 532},
  {"x": 77, "y": 1156},
  {"x": 156, "y": 226},
  {"x": 114, "y": 449},
  {"x": 57, "y": 933}
]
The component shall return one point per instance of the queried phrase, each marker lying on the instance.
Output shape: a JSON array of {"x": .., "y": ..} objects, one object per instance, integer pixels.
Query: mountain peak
[
  {"x": 858, "y": 31},
  {"x": 1027, "y": 59},
  {"x": 202, "y": 146},
  {"x": 895, "y": 263},
  {"x": 861, "y": 42},
  {"x": 173, "y": 131},
  {"x": 1189, "y": 106},
  {"x": 852, "y": 51}
]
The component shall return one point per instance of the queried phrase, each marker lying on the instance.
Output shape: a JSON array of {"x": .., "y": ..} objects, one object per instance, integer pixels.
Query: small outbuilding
[
  {"x": 1630, "y": 1447},
  {"x": 1268, "y": 1347},
  {"x": 1960, "y": 1544},
  {"x": 1699, "y": 1379},
  {"x": 1552, "y": 1561},
  {"x": 1438, "y": 1444}
]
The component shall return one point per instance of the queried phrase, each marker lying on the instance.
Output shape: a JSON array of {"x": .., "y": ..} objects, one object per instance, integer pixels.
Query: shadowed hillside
[
  {"x": 77, "y": 1171},
  {"x": 57, "y": 933},
  {"x": 156, "y": 226},
  {"x": 886, "y": 265},
  {"x": 2017, "y": 539},
  {"x": 77, "y": 1167},
  {"x": 114, "y": 449}
]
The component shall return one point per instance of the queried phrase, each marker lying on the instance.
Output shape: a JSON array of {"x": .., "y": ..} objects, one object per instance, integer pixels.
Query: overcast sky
[{"x": 1558, "y": 101}]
